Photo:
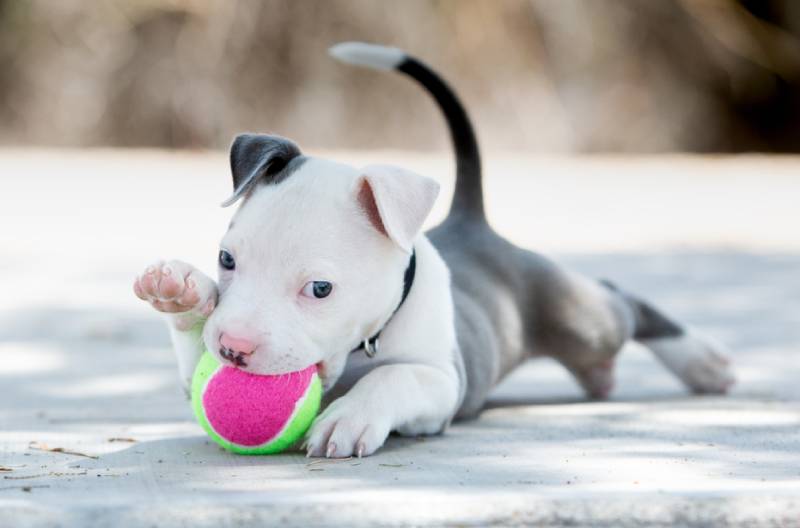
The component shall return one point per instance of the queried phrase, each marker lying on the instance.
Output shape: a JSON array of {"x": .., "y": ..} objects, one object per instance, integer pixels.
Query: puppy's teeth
[
  {"x": 360, "y": 450},
  {"x": 331, "y": 450},
  {"x": 190, "y": 283}
]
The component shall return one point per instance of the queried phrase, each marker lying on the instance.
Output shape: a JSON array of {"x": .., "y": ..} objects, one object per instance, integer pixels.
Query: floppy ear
[
  {"x": 257, "y": 156},
  {"x": 396, "y": 201}
]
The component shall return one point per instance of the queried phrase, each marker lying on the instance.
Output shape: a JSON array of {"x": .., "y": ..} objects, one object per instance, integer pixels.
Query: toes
[
  {"x": 713, "y": 368},
  {"x": 137, "y": 289},
  {"x": 700, "y": 362},
  {"x": 190, "y": 295},
  {"x": 711, "y": 376},
  {"x": 170, "y": 284},
  {"x": 317, "y": 439},
  {"x": 176, "y": 287},
  {"x": 149, "y": 282},
  {"x": 207, "y": 308},
  {"x": 347, "y": 438},
  {"x": 369, "y": 442},
  {"x": 343, "y": 440},
  {"x": 344, "y": 430}
]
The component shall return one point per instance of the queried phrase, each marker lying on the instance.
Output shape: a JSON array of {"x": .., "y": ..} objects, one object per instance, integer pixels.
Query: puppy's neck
[{"x": 371, "y": 345}]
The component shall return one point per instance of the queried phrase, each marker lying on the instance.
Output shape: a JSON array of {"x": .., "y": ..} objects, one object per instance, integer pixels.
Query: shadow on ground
[{"x": 102, "y": 381}]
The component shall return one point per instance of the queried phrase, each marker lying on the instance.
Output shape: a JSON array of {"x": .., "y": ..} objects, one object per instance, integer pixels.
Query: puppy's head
[{"x": 313, "y": 260}]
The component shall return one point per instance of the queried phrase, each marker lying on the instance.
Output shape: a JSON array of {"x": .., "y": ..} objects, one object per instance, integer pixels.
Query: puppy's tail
[{"x": 468, "y": 196}]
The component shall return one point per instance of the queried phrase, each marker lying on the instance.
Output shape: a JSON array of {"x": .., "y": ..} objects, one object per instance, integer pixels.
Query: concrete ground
[{"x": 86, "y": 369}]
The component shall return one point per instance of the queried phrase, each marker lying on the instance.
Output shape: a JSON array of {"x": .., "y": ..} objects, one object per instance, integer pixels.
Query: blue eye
[
  {"x": 317, "y": 289},
  {"x": 226, "y": 260}
]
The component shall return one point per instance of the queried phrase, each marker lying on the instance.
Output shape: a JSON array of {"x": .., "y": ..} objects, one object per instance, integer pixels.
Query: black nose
[{"x": 237, "y": 358}]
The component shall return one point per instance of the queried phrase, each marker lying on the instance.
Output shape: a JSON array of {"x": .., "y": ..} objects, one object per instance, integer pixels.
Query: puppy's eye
[
  {"x": 226, "y": 260},
  {"x": 317, "y": 289}
]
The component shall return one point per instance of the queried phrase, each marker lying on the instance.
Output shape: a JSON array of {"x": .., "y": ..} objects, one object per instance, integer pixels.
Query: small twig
[
  {"x": 24, "y": 488},
  {"x": 392, "y": 465},
  {"x": 122, "y": 439},
  {"x": 73, "y": 474},
  {"x": 51, "y": 474},
  {"x": 328, "y": 461},
  {"x": 43, "y": 447}
]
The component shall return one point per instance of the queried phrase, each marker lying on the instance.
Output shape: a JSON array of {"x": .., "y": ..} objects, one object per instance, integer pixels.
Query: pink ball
[{"x": 253, "y": 414}]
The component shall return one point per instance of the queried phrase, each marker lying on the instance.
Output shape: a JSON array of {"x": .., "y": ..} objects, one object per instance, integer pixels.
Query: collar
[{"x": 371, "y": 345}]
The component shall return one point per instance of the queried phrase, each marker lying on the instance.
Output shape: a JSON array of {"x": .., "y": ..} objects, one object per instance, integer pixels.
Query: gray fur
[
  {"x": 581, "y": 324},
  {"x": 511, "y": 303},
  {"x": 260, "y": 158}
]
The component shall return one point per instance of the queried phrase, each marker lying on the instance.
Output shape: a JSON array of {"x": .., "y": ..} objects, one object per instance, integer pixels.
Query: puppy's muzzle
[{"x": 236, "y": 350}]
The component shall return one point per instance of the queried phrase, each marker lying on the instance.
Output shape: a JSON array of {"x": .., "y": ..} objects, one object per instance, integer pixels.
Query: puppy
[{"x": 325, "y": 264}]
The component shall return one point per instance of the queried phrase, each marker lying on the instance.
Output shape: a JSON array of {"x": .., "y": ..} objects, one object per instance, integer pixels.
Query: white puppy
[{"x": 325, "y": 264}]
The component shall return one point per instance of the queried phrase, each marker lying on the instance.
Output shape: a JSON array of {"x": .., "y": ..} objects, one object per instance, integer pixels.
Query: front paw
[
  {"x": 347, "y": 428},
  {"x": 177, "y": 288}
]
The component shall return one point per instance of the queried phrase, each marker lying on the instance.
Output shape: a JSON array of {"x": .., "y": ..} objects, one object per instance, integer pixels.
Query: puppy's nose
[{"x": 237, "y": 344}]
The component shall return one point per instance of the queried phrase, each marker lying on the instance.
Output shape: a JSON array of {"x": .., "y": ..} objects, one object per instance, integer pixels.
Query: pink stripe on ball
[{"x": 250, "y": 409}]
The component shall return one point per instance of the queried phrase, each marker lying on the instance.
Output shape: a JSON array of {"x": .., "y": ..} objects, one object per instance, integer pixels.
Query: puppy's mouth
[{"x": 234, "y": 357}]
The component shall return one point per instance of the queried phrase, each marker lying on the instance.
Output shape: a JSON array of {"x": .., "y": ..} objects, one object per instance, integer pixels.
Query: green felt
[{"x": 298, "y": 424}]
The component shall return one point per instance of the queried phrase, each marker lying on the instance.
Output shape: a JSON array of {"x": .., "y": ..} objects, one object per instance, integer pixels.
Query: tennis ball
[{"x": 251, "y": 414}]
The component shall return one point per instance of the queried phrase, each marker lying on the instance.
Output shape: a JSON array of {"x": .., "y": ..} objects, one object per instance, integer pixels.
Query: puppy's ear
[
  {"x": 396, "y": 201},
  {"x": 257, "y": 156}
]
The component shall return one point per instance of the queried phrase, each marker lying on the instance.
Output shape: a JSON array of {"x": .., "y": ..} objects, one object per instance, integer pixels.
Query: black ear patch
[{"x": 256, "y": 157}]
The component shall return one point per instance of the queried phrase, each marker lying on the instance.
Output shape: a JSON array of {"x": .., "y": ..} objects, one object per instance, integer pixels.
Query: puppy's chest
[{"x": 358, "y": 365}]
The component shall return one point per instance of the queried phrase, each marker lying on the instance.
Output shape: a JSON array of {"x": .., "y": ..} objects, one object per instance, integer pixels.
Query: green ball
[{"x": 251, "y": 414}]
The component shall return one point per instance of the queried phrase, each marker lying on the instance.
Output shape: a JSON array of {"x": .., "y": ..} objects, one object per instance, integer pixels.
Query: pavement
[{"x": 94, "y": 430}]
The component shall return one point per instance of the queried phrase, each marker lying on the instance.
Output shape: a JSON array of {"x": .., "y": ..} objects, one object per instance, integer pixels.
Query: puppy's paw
[
  {"x": 699, "y": 361},
  {"x": 178, "y": 288},
  {"x": 598, "y": 380},
  {"x": 709, "y": 370},
  {"x": 346, "y": 428}
]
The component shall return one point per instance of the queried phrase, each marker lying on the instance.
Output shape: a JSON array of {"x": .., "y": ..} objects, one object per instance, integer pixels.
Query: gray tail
[{"x": 468, "y": 196}]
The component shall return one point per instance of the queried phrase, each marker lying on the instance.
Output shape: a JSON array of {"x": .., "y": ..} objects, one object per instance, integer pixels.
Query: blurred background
[
  {"x": 648, "y": 142},
  {"x": 538, "y": 75}
]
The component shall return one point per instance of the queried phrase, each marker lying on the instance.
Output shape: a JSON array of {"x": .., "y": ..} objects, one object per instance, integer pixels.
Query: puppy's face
[{"x": 312, "y": 263}]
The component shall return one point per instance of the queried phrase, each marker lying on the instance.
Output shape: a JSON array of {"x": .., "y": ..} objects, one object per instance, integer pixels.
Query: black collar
[{"x": 370, "y": 346}]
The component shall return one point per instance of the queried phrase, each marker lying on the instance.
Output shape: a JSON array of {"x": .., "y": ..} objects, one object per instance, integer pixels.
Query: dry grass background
[{"x": 539, "y": 75}]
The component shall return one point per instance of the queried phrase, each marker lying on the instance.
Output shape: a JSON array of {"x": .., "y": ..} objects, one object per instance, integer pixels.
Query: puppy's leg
[
  {"x": 700, "y": 362},
  {"x": 187, "y": 297},
  {"x": 583, "y": 325},
  {"x": 412, "y": 399}
]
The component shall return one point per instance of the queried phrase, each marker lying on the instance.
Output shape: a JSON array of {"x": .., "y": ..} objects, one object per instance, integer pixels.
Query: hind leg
[
  {"x": 597, "y": 380},
  {"x": 584, "y": 326},
  {"x": 700, "y": 362}
]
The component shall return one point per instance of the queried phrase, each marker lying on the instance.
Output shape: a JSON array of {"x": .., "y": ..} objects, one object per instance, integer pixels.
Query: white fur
[
  {"x": 412, "y": 385},
  {"x": 188, "y": 345},
  {"x": 312, "y": 226},
  {"x": 403, "y": 204},
  {"x": 699, "y": 361},
  {"x": 369, "y": 55}
]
